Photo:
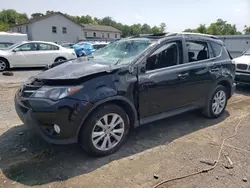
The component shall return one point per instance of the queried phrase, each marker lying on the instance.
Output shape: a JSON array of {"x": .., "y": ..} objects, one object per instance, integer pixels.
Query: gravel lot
[
  {"x": 20, "y": 75},
  {"x": 168, "y": 148}
]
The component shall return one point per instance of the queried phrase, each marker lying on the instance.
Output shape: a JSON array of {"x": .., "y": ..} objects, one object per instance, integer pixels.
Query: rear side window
[
  {"x": 197, "y": 50},
  {"x": 217, "y": 49}
]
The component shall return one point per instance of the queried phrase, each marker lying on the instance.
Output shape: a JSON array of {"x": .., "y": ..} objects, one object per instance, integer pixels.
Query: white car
[
  {"x": 33, "y": 54},
  {"x": 242, "y": 64}
]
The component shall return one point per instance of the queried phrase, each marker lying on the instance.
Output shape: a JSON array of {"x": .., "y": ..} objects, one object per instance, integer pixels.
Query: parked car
[
  {"x": 99, "y": 45},
  {"x": 33, "y": 54},
  {"x": 83, "y": 48},
  {"x": 4, "y": 45},
  {"x": 67, "y": 45},
  {"x": 97, "y": 100},
  {"x": 243, "y": 68}
]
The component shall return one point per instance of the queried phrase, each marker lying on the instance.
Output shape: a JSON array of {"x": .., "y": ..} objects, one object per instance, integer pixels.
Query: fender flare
[{"x": 110, "y": 99}]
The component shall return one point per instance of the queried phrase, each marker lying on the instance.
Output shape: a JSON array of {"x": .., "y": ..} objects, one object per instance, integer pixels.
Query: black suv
[{"x": 96, "y": 100}]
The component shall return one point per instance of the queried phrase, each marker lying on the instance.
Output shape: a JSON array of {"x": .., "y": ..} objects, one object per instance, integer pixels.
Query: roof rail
[{"x": 198, "y": 34}]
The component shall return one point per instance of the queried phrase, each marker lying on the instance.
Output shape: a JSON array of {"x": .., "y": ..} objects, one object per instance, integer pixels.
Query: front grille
[{"x": 242, "y": 66}]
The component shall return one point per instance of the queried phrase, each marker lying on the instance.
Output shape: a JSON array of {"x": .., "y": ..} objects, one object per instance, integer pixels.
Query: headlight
[{"x": 55, "y": 93}]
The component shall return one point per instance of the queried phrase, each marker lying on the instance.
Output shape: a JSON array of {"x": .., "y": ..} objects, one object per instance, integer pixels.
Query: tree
[
  {"x": 163, "y": 27},
  {"x": 36, "y": 15},
  {"x": 247, "y": 30},
  {"x": 156, "y": 30},
  {"x": 145, "y": 28},
  {"x": 189, "y": 30},
  {"x": 201, "y": 29}
]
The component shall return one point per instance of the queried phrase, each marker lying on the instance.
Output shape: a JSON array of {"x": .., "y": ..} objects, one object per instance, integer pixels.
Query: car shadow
[
  {"x": 26, "y": 69},
  {"x": 243, "y": 89},
  {"x": 31, "y": 161}
]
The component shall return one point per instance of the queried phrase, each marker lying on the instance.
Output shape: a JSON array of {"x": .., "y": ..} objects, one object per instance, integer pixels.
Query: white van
[{"x": 7, "y": 38}]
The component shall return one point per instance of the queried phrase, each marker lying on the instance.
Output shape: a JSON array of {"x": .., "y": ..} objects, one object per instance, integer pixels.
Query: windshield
[
  {"x": 247, "y": 52},
  {"x": 13, "y": 46},
  {"x": 123, "y": 51}
]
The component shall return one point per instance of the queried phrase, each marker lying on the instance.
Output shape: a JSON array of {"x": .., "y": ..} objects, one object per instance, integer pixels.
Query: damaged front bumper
[{"x": 68, "y": 116}]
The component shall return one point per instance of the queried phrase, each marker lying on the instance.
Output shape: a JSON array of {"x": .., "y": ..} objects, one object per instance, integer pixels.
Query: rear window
[{"x": 217, "y": 49}]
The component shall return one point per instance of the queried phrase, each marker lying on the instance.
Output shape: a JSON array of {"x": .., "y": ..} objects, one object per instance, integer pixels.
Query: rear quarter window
[{"x": 217, "y": 49}]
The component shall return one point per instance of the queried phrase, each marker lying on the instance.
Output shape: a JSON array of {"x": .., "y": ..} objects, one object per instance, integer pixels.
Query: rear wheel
[
  {"x": 216, "y": 103},
  {"x": 60, "y": 59},
  {"x": 105, "y": 130},
  {"x": 4, "y": 65}
]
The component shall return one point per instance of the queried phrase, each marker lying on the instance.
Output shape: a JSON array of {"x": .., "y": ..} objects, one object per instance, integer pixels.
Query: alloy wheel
[
  {"x": 108, "y": 131},
  {"x": 2, "y": 65},
  {"x": 219, "y": 102}
]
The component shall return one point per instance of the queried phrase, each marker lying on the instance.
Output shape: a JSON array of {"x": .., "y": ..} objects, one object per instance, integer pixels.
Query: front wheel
[
  {"x": 216, "y": 103},
  {"x": 105, "y": 130},
  {"x": 4, "y": 65}
]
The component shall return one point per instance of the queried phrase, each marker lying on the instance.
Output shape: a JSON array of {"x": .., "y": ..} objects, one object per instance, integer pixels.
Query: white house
[{"x": 59, "y": 28}]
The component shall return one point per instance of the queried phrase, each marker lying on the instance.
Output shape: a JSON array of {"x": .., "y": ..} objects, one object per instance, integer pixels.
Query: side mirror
[{"x": 15, "y": 50}]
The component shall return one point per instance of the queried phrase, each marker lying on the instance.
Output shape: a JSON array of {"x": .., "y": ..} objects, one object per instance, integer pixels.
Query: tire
[
  {"x": 211, "y": 112},
  {"x": 86, "y": 133},
  {"x": 4, "y": 65},
  {"x": 59, "y": 59}
]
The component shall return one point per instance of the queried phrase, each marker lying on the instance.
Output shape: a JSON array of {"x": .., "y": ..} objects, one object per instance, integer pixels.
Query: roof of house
[
  {"x": 100, "y": 28},
  {"x": 86, "y": 26}
]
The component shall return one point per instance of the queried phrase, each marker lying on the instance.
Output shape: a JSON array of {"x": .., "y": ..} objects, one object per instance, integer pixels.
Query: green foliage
[
  {"x": 219, "y": 27},
  {"x": 11, "y": 17},
  {"x": 247, "y": 30}
]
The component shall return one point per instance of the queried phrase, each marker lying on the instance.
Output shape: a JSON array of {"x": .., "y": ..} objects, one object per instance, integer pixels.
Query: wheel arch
[
  {"x": 8, "y": 63},
  {"x": 60, "y": 57},
  {"x": 120, "y": 101},
  {"x": 227, "y": 85}
]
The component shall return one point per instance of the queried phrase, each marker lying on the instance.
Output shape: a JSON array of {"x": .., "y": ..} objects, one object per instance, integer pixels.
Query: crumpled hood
[
  {"x": 245, "y": 59},
  {"x": 73, "y": 70}
]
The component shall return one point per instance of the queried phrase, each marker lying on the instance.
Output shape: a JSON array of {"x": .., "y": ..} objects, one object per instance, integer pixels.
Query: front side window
[
  {"x": 197, "y": 50},
  {"x": 54, "y": 29},
  {"x": 121, "y": 52},
  {"x": 168, "y": 55},
  {"x": 27, "y": 47}
]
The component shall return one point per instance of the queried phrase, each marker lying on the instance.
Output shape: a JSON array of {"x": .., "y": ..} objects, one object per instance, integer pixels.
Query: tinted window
[
  {"x": 166, "y": 56},
  {"x": 47, "y": 47},
  {"x": 27, "y": 47},
  {"x": 217, "y": 48},
  {"x": 197, "y": 50}
]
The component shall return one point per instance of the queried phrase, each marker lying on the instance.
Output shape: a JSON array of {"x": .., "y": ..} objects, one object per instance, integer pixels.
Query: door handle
[{"x": 184, "y": 75}]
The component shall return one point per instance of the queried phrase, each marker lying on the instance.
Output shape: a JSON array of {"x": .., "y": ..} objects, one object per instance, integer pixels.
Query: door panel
[
  {"x": 46, "y": 53},
  {"x": 164, "y": 90},
  {"x": 24, "y": 56}
]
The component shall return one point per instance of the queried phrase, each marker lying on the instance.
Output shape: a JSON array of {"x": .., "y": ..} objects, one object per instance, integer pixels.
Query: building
[
  {"x": 236, "y": 44},
  {"x": 59, "y": 28}
]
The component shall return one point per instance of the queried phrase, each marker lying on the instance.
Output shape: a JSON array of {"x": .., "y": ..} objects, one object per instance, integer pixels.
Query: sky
[{"x": 177, "y": 14}]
